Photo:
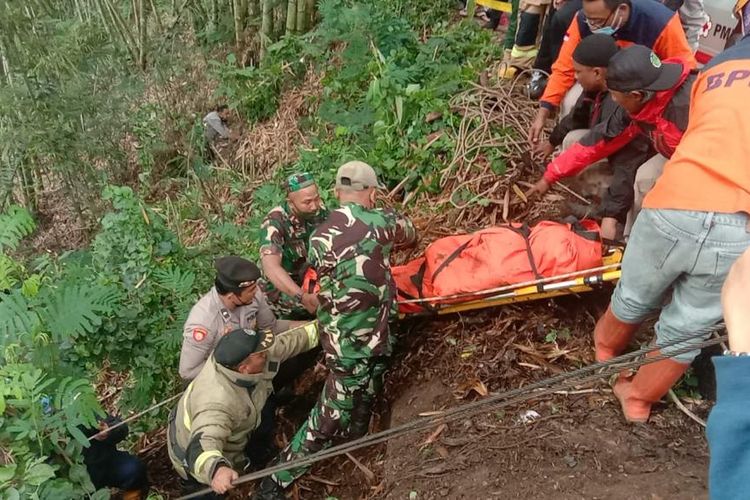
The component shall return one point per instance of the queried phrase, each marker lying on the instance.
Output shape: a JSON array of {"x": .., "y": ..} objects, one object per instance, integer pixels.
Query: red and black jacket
[
  {"x": 591, "y": 109},
  {"x": 663, "y": 120}
]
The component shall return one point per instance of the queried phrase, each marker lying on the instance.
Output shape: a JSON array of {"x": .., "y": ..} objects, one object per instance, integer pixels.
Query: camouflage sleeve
[
  {"x": 210, "y": 429},
  {"x": 295, "y": 341},
  {"x": 272, "y": 238},
  {"x": 406, "y": 233}
]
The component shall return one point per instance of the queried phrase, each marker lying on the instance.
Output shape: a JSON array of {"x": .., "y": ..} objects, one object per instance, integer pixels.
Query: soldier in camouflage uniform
[
  {"x": 284, "y": 236},
  {"x": 351, "y": 252}
]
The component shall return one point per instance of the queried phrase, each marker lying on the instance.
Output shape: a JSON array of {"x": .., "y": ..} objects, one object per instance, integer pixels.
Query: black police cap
[
  {"x": 235, "y": 272},
  {"x": 238, "y": 344}
]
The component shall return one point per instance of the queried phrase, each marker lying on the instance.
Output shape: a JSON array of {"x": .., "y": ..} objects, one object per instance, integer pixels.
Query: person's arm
[
  {"x": 299, "y": 339},
  {"x": 601, "y": 141},
  {"x": 672, "y": 43},
  {"x": 265, "y": 318},
  {"x": 563, "y": 75},
  {"x": 406, "y": 233},
  {"x": 578, "y": 118},
  {"x": 211, "y": 426},
  {"x": 272, "y": 241},
  {"x": 197, "y": 343},
  {"x": 728, "y": 429}
]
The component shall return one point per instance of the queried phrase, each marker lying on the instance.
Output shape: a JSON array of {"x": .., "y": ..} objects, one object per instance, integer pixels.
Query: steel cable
[{"x": 538, "y": 389}]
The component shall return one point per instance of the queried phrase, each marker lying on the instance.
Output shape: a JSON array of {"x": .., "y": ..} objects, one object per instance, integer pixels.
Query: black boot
[
  {"x": 269, "y": 490},
  {"x": 360, "y": 419}
]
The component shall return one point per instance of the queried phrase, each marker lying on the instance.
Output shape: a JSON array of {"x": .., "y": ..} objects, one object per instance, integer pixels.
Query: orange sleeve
[
  {"x": 563, "y": 75},
  {"x": 672, "y": 43}
]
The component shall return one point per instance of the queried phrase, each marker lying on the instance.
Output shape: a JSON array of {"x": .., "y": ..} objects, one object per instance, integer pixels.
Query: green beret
[
  {"x": 235, "y": 272},
  {"x": 298, "y": 181},
  {"x": 238, "y": 344}
]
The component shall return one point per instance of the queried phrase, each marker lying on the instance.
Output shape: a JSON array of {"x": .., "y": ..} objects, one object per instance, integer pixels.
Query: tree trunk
[
  {"x": 266, "y": 26},
  {"x": 291, "y": 17},
  {"x": 301, "y": 17}
]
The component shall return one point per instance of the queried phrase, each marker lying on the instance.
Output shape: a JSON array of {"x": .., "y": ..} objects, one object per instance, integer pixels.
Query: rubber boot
[
  {"x": 612, "y": 336},
  {"x": 650, "y": 383},
  {"x": 269, "y": 490},
  {"x": 360, "y": 419}
]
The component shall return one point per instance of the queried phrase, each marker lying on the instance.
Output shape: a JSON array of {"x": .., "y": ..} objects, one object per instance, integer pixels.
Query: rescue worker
[
  {"x": 351, "y": 253},
  {"x": 693, "y": 226},
  {"x": 553, "y": 35},
  {"x": 654, "y": 99},
  {"x": 595, "y": 106},
  {"x": 644, "y": 22},
  {"x": 109, "y": 467},
  {"x": 208, "y": 430},
  {"x": 284, "y": 236},
  {"x": 235, "y": 301},
  {"x": 524, "y": 31}
]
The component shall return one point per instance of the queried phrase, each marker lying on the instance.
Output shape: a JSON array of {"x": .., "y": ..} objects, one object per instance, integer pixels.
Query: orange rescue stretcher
[{"x": 567, "y": 284}]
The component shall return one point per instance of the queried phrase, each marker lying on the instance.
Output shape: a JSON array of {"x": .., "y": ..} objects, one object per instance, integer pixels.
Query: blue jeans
[{"x": 688, "y": 251}]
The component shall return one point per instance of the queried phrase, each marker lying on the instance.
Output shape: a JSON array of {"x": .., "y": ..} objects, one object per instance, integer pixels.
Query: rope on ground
[{"x": 590, "y": 373}]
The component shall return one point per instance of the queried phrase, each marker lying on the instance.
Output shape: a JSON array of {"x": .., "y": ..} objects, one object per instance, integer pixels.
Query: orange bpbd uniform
[
  {"x": 710, "y": 169},
  {"x": 650, "y": 24}
]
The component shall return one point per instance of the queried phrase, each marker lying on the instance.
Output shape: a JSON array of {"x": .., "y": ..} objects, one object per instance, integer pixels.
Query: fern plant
[{"x": 15, "y": 224}]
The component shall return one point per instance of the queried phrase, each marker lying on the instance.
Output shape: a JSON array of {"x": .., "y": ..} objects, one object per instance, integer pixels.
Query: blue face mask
[
  {"x": 606, "y": 30},
  {"x": 613, "y": 28}
]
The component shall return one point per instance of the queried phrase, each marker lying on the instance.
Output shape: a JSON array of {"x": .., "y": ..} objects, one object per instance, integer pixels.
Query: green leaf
[
  {"x": 15, "y": 224},
  {"x": 38, "y": 474},
  {"x": 7, "y": 472},
  {"x": 12, "y": 494}
]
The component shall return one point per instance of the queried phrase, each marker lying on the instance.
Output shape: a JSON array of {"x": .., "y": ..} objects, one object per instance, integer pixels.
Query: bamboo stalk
[
  {"x": 471, "y": 8},
  {"x": 280, "y": 19},
  {"x": 237, "y": 8},
  {"x": 266, "y": 27},
  {"x": 310, "y": 13},
  {"x": 157, "y": 16},
  {"x": 301, "y": 28},
  {"x": 291, "y": 17},
  {"x": 142, "y": 35}
]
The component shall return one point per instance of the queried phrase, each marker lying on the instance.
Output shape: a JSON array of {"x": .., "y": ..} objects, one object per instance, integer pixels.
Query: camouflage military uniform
[
  {"x": 286, "y": 234},
  {"x": 350, "y": 252}
]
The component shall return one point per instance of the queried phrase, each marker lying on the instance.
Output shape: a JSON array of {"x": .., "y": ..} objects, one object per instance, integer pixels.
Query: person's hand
[
  {"x": 608, "y": 229},
  {"x": 102, "y": 428},
  {"x": 543, "y": 149},
  {"x": 734, "y": 303},
  {"x": 222, "y": 480},
  {"x": 310, "y": 302},
  {"x": 558, "y": 3},
  {"x": 541, "y": 187},
  {"x": 535, "y": 132}
]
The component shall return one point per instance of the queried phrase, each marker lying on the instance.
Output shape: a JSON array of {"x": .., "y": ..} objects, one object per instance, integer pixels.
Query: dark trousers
[
  {"x": 120, "y": 470},
  {"x": 556, "y": 25}
]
